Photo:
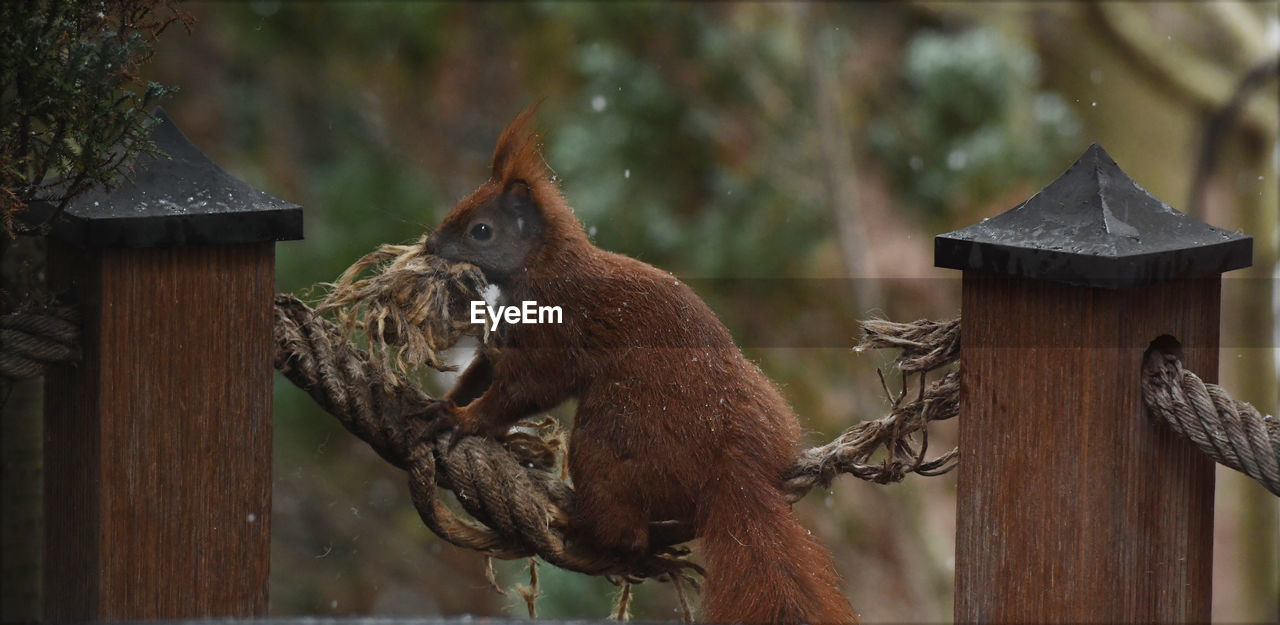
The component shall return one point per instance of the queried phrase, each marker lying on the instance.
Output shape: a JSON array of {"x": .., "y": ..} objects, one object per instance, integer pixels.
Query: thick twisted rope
[
  {"x": 1230, "y": 431},
  {"x": 520, "y": 505},
  {"x": 514, "y": 491},
  {"x": 33, "y": 337}
]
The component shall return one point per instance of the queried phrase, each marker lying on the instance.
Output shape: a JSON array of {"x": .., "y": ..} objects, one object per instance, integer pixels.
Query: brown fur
[{"x": 673, "y": 423}]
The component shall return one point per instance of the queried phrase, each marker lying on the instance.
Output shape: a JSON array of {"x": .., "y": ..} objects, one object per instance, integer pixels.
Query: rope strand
[
  {"x": 36, "y": 336},
  {"x": 1231, "y": 432}
]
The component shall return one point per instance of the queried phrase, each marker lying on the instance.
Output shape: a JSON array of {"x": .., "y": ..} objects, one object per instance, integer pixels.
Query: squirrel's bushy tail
[{"x": 763, "y": 566}]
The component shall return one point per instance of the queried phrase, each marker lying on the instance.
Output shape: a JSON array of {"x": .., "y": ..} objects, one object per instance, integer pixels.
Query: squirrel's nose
[{"x": 429, "y": 245}]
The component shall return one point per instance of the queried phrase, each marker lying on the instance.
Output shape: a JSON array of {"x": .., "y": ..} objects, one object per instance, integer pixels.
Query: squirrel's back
[{"x": 666, "y": 388}]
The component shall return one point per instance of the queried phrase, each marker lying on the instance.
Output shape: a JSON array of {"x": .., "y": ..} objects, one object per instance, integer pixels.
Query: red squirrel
[{"x": 672, "y": 421}]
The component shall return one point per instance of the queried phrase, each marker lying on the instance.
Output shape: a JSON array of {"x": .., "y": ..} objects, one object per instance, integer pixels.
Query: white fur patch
[{"x": 492, "y": 295}]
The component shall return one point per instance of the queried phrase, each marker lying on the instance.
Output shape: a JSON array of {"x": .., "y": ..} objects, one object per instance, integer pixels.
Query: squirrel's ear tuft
[
  {"x": 518, "y": 189},
  {"x": 517, "y": 156}
]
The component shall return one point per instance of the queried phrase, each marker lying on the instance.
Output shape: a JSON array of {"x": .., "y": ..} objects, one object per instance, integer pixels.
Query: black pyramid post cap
[
  {"x": 177, "y": 198},
  {"x": 1094, "y": 226}
]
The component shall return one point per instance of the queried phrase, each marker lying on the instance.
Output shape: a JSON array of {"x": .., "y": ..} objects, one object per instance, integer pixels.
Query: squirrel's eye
[{"x": 481, "y": 232}]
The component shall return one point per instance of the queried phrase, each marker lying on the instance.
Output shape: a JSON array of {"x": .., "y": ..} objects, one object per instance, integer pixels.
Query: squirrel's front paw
[
  {"x": 440, "y": 415},
  {"x": 444, "y": 415}
]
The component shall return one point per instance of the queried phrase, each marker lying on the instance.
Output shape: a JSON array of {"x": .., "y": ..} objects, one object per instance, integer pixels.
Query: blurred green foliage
[
  {"x": 975, "y": 121},
  {"x": 718, "y": 213}
]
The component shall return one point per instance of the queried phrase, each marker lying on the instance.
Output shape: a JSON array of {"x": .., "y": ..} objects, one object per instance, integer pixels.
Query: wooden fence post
[
  {"x": 1073, "y": 505},
  {"x": 158, "y": 444}
]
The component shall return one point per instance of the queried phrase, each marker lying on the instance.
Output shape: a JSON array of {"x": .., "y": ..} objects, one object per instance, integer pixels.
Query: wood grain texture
[
  {"x": 1073, "y": 505},
  {"x": 158, "y": 445}
]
